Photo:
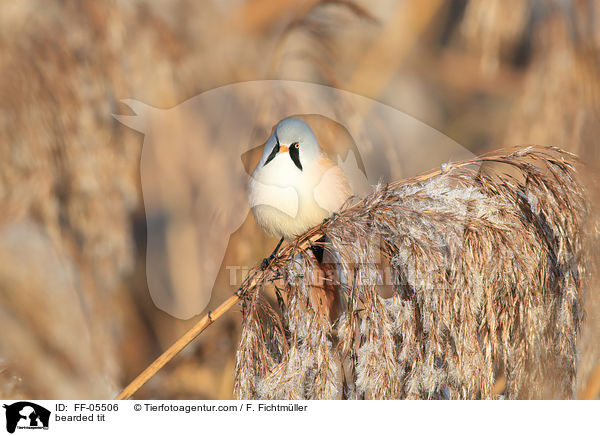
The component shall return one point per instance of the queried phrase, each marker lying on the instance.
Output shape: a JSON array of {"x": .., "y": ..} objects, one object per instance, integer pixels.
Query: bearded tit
[{"x": 295, "y": 186}]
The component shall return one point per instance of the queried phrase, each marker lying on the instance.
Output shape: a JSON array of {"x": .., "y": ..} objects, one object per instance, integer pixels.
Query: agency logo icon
[
  {"x": 198, "y": 159},
  {"x": 26, "y": 415}
]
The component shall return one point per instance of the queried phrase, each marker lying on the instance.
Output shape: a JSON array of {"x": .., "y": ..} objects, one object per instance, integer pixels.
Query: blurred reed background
[{"x": 76, "y": 316}]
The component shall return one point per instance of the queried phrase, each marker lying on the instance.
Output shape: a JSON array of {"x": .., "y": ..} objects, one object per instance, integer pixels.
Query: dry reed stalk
[
  {"x": 491, "y": 28},
  {"x": 560, "y": 104},
  {"x": 376, "y": 68},
  {"x": 174, "y": 349},
  {"x": 488, "y": 270},
  {"x": 256, "y": 277}
]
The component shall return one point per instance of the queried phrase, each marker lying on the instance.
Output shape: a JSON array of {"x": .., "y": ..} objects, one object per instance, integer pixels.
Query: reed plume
[{"x": 488, "y": 268}]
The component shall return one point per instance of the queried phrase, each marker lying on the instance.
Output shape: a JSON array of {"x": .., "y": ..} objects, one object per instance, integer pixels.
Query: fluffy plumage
[{"x": 295, "y": 186}]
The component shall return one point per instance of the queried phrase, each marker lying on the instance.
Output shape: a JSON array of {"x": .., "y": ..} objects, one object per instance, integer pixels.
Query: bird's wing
[{"x": 332, "y": 189}]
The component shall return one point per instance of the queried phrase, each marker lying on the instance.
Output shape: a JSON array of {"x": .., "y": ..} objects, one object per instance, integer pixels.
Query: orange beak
[{"x": 283, "y": 149}]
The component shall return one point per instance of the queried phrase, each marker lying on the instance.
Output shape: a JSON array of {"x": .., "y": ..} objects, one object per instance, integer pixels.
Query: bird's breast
[{"x": 286, "y": 202}]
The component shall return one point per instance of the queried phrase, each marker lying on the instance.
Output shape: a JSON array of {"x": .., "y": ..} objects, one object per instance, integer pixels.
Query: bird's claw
[
  {"x": 266, "y": 262},
  {"x": 333, "y": 216}
]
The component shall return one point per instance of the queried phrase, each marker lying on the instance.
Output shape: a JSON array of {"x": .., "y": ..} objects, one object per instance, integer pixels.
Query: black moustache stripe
[
  {"x": 295, "y": 155},
  {"x": 274, "y": 152}
]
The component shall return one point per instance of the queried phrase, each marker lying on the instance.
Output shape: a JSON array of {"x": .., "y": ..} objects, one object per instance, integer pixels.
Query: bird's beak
[{"x": 283, "y": 149}]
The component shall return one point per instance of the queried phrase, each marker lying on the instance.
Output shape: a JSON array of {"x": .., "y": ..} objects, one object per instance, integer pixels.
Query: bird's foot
[
  {"x": 266, "y": 262},
  {"x": 333, "y": 216}
]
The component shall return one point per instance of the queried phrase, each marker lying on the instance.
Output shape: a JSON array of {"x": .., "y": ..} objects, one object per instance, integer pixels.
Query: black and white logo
[{"x": 26, "y": 415}]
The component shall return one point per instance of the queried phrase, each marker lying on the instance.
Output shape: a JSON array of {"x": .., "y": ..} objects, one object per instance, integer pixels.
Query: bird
[{"x": 295, "y": 186}]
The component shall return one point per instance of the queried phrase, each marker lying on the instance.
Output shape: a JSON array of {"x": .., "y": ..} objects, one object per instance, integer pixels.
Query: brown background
[{"x": 76, "y": 317}]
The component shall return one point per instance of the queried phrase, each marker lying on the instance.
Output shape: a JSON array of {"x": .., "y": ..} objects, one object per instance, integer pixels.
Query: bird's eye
[{"x": 295, "y": 145}]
